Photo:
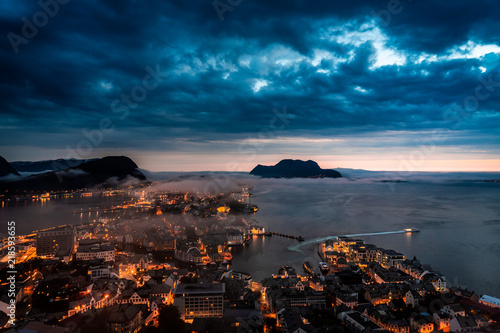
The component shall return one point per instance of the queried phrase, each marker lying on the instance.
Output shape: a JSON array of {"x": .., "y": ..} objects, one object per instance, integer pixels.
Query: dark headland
[
  {"x": 294, "y": 169},
  {"x": 105, "y": 172},
  {"x": 48, "y": 165},
  {"x": 6, "y": 169}
]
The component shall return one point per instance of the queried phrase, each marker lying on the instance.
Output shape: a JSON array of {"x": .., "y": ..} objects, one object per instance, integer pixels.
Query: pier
[
  {"x": 90, "y": 210},
  {"x": 97, "y": 210},
  {"x": 299, "y": 238}
]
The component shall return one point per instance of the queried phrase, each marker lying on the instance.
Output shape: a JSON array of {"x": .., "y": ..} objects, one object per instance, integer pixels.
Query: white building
[
  {"x": 442, "y": 321},
  {"x": 102, "y": 271},
  {"x": 412, "y": 298},
  {"x": 189, "y": 254},
  {"x": 242, "y": 276},
  {"x": 141, "y": 262},
  {"x": 454, "y": 310},
  {"x": 235, "y": 237},
  {"x": 490, "y": 301},
  {"x": 437, "y": 281},
  {"x": 96, "y": 251},
  {"x": 94, "y": 300}
]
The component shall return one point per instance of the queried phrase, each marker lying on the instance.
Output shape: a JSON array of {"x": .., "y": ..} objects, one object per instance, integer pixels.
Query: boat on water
[
  {"x": 323, "y": 267},
  {"x": 308, "y": 267},
  {"x": 412, "y": 230}
]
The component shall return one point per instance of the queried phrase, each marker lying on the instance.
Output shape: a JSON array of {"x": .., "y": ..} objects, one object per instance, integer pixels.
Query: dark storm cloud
[{"x": 221, "y": 79}]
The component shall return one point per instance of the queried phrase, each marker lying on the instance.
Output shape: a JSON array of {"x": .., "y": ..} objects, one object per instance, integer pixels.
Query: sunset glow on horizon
[{"x": 342, "y": 83}]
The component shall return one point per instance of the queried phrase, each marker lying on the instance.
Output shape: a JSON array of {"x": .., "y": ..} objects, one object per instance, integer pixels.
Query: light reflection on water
[
  {"x": 459, "y": 223},
  {"x": 37, "y": 215}
]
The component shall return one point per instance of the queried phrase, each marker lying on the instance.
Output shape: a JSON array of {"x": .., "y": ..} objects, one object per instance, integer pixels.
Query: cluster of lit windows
[
  {"x": 99, "y": 273},
  {"x": 203, "y": 306},
  {"x": 107, "y": 255},
  {"x": 47, "y": 245}
]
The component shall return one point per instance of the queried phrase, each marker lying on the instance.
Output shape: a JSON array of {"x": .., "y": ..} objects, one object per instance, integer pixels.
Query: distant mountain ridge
[
  {"x": 108, "y": 171},
  {"x": 48, "y": 165},
  {"x": 6, "y": 168},
  {"x": 289, "y": 168}
]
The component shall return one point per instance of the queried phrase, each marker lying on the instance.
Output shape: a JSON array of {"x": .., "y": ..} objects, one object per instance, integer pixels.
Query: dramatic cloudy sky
[{"x": 381, "y": 85}]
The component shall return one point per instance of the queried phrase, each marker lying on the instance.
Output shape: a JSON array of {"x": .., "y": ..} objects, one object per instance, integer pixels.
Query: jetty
[{"x": 299, "y": 238}]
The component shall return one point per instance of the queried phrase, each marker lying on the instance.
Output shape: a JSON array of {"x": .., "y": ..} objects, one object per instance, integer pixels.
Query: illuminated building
[
  {"x": 490, "y": 301},
  {"x": 49, "y": 241},
  {"x": 200, "y": 300},
  {"x": 96, "y": 251}
]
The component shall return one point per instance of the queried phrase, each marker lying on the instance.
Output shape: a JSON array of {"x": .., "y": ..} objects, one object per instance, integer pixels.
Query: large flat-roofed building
[
  {"x": 48, "y": 242},
  {"x": 200, "y": 300}
]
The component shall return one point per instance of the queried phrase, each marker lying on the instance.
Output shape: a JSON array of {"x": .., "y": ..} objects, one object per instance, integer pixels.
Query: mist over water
[{"x": 459, "y": 222}]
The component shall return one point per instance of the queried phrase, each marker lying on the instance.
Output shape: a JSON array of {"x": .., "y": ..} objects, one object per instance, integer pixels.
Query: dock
[
  {"x": 90, "y": 210},
  {"x": 299, "y": 238}
]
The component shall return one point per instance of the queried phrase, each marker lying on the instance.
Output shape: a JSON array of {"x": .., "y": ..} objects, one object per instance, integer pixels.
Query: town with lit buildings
[{"x": 162, "y": 253}]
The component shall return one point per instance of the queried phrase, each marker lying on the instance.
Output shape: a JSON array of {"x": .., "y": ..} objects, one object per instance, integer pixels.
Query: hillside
[
  {"x": 108, "y": 171},
  {"x": 48, "y": 165},
  {"x": 6, "y": 169}
]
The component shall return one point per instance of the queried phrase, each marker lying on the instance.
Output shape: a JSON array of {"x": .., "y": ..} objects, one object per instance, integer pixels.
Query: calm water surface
[
  {"x": 459, "y": 223},
  {"x": 35, "y": 215}
]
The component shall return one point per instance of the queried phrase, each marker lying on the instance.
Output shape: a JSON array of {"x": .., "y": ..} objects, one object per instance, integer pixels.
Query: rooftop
[
  {"x": 95, "y": 248},
  {"x": 490, "y": 299},
  {"x": 367, "y": 323},
  {"x": 195, "y": 288},
  {"x": 44, "y": 232}
]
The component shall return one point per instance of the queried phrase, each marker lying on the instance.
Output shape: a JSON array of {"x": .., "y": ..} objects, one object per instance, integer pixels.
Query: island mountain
[{"x": 294, "y": 169}]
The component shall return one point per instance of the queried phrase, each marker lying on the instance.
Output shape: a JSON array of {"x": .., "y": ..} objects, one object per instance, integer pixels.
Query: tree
[
  {"x": 191, "y": 278},
  {"x": 270, "y": 323},
  {"x": 169, "y": 320}
]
